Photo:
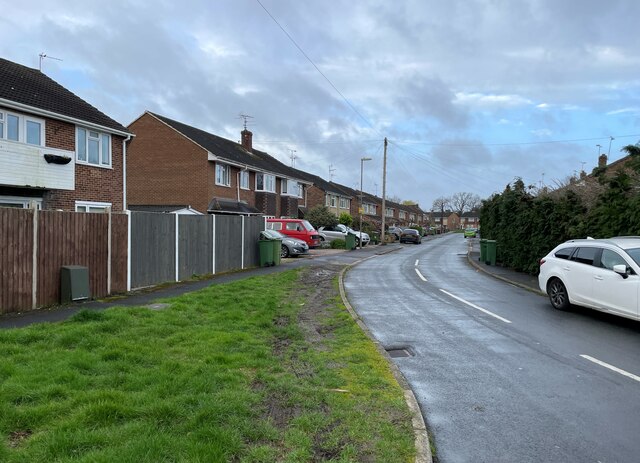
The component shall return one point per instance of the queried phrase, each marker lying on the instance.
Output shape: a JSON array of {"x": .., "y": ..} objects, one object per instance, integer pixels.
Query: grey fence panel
[
  {"x": 252, "y": 228},
  {"x": 228, "y": 243},
  {"x": 195, "y": 241},
  {"x": 153, "y": 248}
]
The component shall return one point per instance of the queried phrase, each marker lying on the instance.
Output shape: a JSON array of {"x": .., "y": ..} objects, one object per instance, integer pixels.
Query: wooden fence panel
[
  {"x": 195, "y": 246},
  {"x": 71, "y": 238},
  {"x": 153, "y": 248},
  {"x": 228, "y": 243},
  {"x": 16, "y": 259},
  {"x": 119, "y": 252}
]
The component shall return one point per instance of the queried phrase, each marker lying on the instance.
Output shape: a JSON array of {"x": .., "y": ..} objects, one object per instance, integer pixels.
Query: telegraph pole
[{"x": 384, "y": 186}]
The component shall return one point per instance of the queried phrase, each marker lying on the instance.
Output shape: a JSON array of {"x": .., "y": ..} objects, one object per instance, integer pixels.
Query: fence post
[
  {"x": 177, "y": 247},
  {"x": 243, "y": 244},
  {"x": 34, "y": 274},
  {"x": 213, "y": 244},
  {"x": 129, "y": 217},
  {"x": 109, "y": 252}
]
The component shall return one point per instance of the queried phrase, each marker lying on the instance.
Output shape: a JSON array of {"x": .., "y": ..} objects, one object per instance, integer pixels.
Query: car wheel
[
  {"x": 558, "y": 294},
  {"x": 284, "y": 251}
]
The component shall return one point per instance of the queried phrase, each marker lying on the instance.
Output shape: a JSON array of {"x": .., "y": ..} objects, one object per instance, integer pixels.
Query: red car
[{"x": 296, "y": 228}]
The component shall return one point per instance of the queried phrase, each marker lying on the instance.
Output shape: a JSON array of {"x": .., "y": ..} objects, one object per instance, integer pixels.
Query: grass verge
[{"x": 261, "y": 370}]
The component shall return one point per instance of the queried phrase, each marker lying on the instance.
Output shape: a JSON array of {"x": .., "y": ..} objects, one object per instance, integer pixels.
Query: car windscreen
[
  {"x": 635, "y": 254},
  {"x": 308, "y": 226}
]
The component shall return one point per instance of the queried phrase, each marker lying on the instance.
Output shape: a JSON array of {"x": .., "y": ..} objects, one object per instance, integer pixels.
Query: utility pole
[
  {"x": 384, "y": 185},
  {"x": 610, "y": 140},
  {"x": 361, "y": 205}
]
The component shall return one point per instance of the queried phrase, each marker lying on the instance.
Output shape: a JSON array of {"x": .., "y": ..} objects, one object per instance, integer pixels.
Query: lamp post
[{"x": 361, "y": 171}]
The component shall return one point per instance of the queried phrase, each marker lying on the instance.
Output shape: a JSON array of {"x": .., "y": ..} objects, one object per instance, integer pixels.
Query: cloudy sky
[{"x": 471, "y": 94}]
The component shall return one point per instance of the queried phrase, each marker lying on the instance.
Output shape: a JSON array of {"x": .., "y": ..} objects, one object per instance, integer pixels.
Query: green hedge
[{"x": 527, "y": 227}]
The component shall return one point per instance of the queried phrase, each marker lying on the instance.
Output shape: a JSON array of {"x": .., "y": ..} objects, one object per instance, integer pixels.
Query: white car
[
  {"x": 599, "y": 274},
  {"x": 340, "y": 231}
]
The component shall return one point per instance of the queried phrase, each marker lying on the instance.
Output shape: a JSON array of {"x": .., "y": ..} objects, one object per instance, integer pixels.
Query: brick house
[
  {"x": 446, "y": 221},
  {"x": 56, "y": 149},
  {"x": 319, "y": 192},
  {"x": 173, "y": 164},
  {"x": 470, "y": 219}
]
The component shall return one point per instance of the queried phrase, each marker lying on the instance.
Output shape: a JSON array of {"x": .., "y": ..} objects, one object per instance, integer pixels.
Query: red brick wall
[
  {"x": 315, "y": 197},
  {"x": 164, "y": 167},
  {"x": 93, "y": 183}
]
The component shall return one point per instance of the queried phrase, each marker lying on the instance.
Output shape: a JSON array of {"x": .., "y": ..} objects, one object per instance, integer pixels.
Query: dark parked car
[
  {"x": 290, "y": 246},
  {"x": 410, "y": 235}
]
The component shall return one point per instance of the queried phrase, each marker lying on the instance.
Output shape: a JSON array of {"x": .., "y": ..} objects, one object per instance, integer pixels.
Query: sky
[{"x": 471, "y": 94}]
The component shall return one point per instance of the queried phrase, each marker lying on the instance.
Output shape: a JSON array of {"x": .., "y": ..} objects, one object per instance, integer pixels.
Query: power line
[
  {"x": 471, "y": 145},
  {"x": 319, "y": 71}
]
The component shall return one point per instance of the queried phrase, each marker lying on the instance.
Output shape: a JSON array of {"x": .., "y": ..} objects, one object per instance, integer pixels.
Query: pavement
[{"x": 506, "y": 274}]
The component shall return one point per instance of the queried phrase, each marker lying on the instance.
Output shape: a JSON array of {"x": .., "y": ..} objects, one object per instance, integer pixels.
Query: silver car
[
  {"x": 290, "y": 246},
  {"x": 340, "y": 231}
]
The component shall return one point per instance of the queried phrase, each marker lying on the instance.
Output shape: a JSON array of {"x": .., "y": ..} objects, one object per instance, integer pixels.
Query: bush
[
  {"x": 338, "y": 244},
  {"x": 345, "y": 219},
  {"x": 321, "y": 216}
]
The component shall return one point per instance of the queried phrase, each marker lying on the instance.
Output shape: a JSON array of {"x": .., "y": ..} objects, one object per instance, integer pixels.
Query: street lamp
[{"x": 361, "y": 169}]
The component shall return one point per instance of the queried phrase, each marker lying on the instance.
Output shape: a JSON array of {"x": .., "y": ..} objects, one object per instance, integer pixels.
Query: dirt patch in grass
[
  {"x": 319, "y": 291},
  {"x": 17, "y": 437}
]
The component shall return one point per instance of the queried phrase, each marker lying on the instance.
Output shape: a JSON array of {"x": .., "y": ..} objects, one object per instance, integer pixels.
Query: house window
[
  {"x": 223, "y": 175},
  {"x": 290, "y": 187},
  {"x": 21, "y": 128},
  {"x": 412, "y": 217},
  {"x": 93, "y": 147},
  {"x": 265, "y": 182},
  {"x": 19, "y": 202},
  {"x": 91, "y": 206},
  {"x": 345, "y": 203},
  {"x": 330, "y": 201},
  {"x": 370, "y": 209},
  {"x": 389, "y": 212},
  {"x": 244, "y": 179},
  {"x": 402, "y": 215}
]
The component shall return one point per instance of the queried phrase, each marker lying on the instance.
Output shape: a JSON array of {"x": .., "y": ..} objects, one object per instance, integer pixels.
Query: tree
[
  {"x": 464, "y": 202},
  {"x": 321, "y": 216},
  {"x": 440, "y": 205}
]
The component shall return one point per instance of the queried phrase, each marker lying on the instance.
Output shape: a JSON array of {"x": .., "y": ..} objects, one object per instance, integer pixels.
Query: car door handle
[
  {"x": 598, "y": 277},
  {"x": 566, "y": 268}
]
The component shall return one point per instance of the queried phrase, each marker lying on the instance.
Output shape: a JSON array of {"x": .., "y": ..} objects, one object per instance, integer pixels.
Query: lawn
[{"x": 267, "y": 369}]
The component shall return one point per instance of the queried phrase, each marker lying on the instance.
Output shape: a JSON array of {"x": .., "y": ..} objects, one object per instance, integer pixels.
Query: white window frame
[
  {"x": 345, "y": 203},
  {"x": 330, "y": 200},
  {"x": 244, "y": 179},
  {"x": 300, "y": 190},
  {"x": 389, "y": 212},
  {"x": 22, "y": 127},
  {"x": 370, "y": 208},
  {"x": 223, "y": 174},
  {"x": 105, "y": 160},
  {"x": 92, "y": 204},
  {"x": 268, "y": 180},
  {"x": 402, "y": 215},
  {"x": 23, "y": 201},
  {"x": 290, "y": 187}
]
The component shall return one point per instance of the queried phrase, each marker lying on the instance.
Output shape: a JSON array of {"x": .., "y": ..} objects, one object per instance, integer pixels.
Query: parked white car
[
  {"x": 599, "y": 274},
  {"x": 340, "y": 231}
]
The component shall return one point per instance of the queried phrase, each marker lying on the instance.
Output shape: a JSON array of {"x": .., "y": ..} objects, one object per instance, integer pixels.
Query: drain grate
[{"x": 399, "y": 352}]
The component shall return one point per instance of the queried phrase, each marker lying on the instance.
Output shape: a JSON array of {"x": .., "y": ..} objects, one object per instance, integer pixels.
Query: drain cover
[{"x": 399, "y": 352}]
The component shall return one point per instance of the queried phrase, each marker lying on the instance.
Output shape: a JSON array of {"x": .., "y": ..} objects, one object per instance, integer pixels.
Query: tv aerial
[{"x": 42, "y": 56}]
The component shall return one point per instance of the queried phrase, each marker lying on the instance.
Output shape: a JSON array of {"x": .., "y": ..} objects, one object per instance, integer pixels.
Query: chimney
[
  {"x": 247, "y": 139},
  {"x": 602, "y": 161}
]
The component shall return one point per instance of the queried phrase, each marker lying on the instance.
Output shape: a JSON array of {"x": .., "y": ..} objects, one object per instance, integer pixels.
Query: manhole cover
[{"x": 399, "y": 352}]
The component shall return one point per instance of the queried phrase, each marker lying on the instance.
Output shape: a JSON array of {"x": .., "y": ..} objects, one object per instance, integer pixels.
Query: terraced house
[
  {"x": 172, "y": 165},
  {"x": 56, "y": 150}
]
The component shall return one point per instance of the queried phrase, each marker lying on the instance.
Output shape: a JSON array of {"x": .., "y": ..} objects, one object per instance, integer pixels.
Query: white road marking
[
  {"x": 611, "y": 367},
  {"x": 420, "y": 275},
  {"x": 416, "y": 264},
  {"x": 475, "y": 306}
]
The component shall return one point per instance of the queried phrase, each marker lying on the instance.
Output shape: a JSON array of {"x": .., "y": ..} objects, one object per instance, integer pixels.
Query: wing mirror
[{"x": 621, "y": 269}]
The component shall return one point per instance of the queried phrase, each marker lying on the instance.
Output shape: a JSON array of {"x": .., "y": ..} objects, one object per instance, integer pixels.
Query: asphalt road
[{"x": 501, "y": 376}]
